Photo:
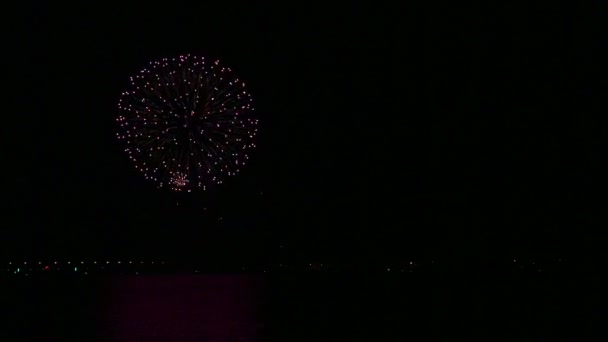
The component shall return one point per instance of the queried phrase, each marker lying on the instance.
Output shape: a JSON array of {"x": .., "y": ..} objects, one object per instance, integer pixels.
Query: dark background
[{"x": 455, "y": 134}]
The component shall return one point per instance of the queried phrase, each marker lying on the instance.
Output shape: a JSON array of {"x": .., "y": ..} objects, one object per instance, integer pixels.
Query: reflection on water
[{"x": 183, "y": 308}]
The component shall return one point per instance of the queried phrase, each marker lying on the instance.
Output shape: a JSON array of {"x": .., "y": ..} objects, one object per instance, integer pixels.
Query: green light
[
  {"x": 75, "y": 269},
  {"x": 18, "y": 269}
]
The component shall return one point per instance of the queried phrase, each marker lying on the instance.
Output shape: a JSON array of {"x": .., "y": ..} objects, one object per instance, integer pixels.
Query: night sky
[{"x": 454, "y": 134}]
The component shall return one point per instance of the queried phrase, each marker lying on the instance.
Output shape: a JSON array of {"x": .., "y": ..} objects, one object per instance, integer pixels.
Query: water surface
[{"x": 297, "y": 307}]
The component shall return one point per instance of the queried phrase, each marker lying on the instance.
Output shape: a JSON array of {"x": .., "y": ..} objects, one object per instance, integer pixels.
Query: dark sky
[{"x": 386, "y": 133}]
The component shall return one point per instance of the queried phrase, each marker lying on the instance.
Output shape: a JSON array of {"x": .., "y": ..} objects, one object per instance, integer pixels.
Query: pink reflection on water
[{"x": 183, "y": 308}]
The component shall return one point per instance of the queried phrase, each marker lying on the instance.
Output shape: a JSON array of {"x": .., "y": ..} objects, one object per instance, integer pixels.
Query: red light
[{"x": 46, "y": 267}]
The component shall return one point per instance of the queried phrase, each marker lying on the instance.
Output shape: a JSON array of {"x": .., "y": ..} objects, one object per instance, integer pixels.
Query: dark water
[{"x": 302, "y": 308}]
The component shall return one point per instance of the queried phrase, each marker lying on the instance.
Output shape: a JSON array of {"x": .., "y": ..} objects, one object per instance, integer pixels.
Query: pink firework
[{"x": 187, "y": 122}]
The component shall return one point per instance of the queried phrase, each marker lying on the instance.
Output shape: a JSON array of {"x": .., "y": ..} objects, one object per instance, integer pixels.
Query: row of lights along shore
[{"x": 94, "y": 262}]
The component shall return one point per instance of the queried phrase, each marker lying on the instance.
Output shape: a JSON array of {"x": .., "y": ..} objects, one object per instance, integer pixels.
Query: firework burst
[{"x": 187, "y": 122}]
